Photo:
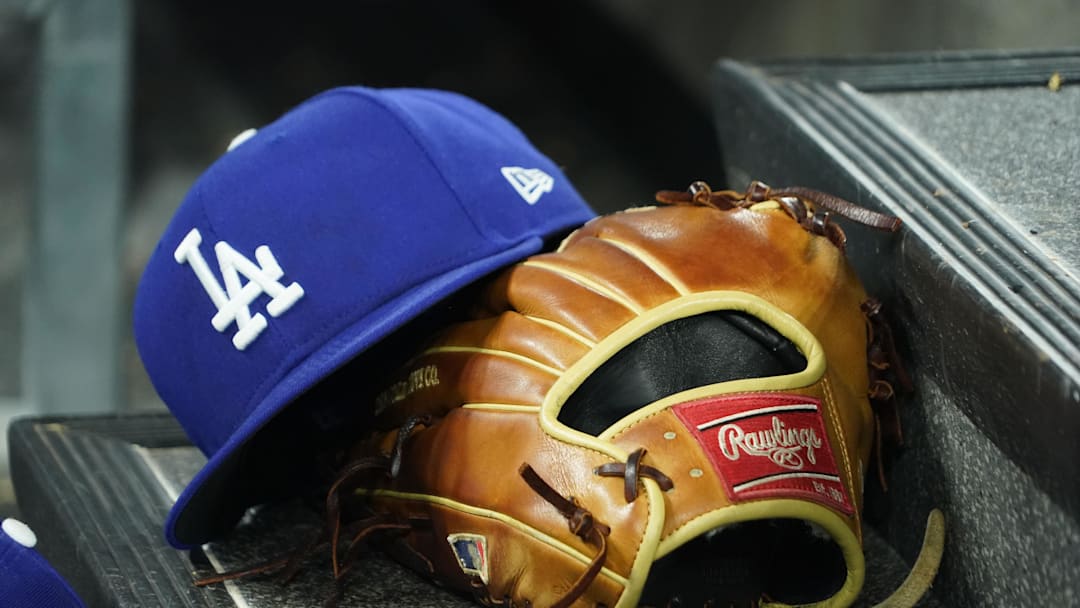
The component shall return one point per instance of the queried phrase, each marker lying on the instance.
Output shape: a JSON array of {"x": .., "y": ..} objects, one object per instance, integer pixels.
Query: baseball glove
[{"x": 673, "y": 408}]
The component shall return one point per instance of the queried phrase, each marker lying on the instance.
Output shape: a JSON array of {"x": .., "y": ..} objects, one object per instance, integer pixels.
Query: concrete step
[{"x": 978, "y": 156}]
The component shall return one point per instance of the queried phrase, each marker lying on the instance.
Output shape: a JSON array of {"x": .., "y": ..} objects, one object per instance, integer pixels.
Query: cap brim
[{"x": 210, "y": 505}]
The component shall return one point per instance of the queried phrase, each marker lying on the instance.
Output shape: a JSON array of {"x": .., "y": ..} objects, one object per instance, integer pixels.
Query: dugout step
[
  {"x": 978, "y": 153},
  {"x": 97, "y": 490}
]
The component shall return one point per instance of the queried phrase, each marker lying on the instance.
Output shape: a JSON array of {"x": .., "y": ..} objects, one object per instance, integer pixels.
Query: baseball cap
[
  {"x": 311, "y": 240},
  {"x": 28, "y": 580}
]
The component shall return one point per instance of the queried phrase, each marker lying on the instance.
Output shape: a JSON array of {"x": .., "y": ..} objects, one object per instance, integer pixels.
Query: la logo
[{"x": 233, "y": 301}]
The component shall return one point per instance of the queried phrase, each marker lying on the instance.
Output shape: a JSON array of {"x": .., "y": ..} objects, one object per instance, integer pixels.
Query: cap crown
[{"x": 322, "y": 233}]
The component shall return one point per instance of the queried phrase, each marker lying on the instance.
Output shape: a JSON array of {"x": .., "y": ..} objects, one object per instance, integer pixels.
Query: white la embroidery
[
  {"x": 233, "y": 300},
  {"x": 530, "y": 184}
]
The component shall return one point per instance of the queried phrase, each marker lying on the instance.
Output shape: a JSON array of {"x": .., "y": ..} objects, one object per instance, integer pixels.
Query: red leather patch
[{"x": 767, "y": 446}]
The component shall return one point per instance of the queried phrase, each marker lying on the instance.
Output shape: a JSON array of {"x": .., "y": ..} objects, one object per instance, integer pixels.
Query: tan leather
[{"x": 495, "y": 385}]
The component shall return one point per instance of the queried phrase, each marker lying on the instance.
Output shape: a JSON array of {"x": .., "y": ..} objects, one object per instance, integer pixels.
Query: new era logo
[
  {"x": 234, "y": 299},
  {"x": 530, "y": 184}
]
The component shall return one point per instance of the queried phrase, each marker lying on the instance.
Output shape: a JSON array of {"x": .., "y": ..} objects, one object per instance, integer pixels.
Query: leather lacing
[
  {"x": 582, "y": 524},
  {"x": 812, "y": 209},
  {"x": 358, "y": 532},
  {"x": 329, "y": 536},
  {"x": 632, "y": 471},
  {"x": 886, "y": 374}
]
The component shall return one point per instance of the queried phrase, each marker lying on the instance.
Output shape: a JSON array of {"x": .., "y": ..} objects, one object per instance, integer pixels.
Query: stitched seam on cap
[{"x": 412, "y": 128}]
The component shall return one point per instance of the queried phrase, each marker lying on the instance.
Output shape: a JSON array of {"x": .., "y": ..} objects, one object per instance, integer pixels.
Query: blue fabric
[
  {"x": 27, "y": 580},
  {"x": 378, "y": 203}
]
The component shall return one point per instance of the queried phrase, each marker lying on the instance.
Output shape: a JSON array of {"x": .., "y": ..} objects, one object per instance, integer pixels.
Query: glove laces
[
  {"x": 582, "y": 524},
  {"x": 812, "y": 209},
  {"x": 357, "y": 531},
  {"x": 632, "y": 471}
]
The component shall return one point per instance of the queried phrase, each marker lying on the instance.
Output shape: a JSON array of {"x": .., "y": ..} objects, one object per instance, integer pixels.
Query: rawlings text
[{"x": 778, "y": 443}]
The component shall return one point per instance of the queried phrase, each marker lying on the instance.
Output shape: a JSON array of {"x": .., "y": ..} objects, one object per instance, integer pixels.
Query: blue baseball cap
[
  {"x": 28, "y": 580},
  {"x": 311, "y": 240}
]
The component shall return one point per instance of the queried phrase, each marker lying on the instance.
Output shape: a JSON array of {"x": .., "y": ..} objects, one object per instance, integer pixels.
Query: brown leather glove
[{"x": 670, "y": 409}]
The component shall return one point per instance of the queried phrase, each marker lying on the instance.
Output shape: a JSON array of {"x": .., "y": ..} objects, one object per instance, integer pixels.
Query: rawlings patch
[
  {"x": 767, "y": 446},
  {"x": 471, "y": 552}
]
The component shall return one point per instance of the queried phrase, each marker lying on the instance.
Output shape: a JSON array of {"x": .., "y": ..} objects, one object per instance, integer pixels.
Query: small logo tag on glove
[
  {"x": 471, "y": 553},
  {"x": 767, "y": 446}
]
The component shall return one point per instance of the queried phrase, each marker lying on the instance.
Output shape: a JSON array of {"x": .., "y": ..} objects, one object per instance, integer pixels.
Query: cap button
[
  {"x": 19, "y": 532},
  {"x": 241, "y": 138}
]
